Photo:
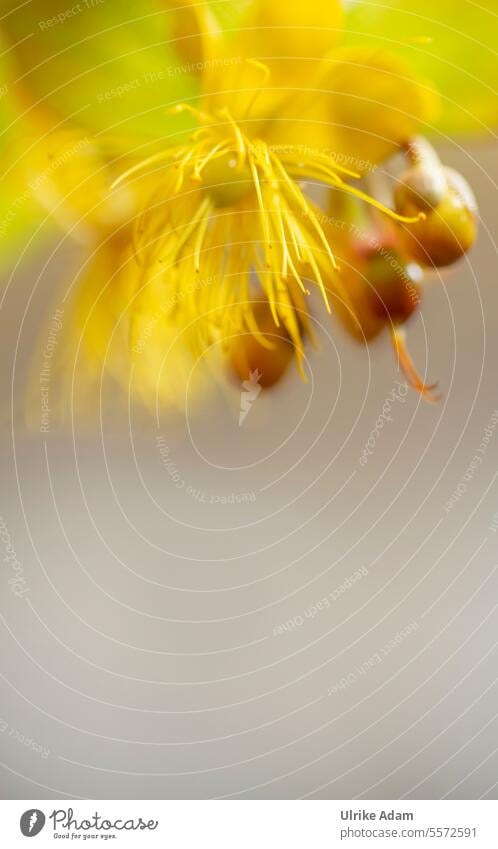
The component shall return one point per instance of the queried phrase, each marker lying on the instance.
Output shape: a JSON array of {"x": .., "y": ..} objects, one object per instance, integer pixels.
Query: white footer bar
[{"x": 254, "y": 824}]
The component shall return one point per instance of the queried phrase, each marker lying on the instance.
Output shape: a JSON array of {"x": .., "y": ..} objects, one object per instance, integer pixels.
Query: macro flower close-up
[{"x": 217, "y": 233}]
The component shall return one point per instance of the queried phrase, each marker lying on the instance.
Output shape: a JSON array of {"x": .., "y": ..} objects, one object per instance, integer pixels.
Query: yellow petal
[
  {"x": 278, "y": 47},
  {"x": 91, "y": 337},
  {"x": 375, "y": 104},
  {"x": 66, "y": 172},
  {"x": 452, "y": 44},
  {"x": 196, "y": 32},
  {"x": 164, "y": 370},
  {"x": 300, "y": 29},
  {"x": 302, "y": 121}
]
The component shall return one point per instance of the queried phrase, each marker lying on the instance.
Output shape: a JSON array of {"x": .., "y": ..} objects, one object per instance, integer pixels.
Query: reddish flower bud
[
  {"x": 269, "y": 354},
  {"x": 448, "y": 232},
  {"x": 394, "y": 294}
]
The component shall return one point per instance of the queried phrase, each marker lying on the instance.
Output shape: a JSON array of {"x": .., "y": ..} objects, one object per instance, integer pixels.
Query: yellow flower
[
  {"x": 228, "y": 204},
  {"x": 217, "y": 235}
]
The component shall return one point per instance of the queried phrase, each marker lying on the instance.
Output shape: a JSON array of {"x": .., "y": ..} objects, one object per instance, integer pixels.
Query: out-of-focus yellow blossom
[
  {"x": 149, "y": 350},
  {"x": 215, "y": 224}
]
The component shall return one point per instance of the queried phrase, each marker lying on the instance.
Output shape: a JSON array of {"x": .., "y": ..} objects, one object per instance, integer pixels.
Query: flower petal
[
  {"x": 375, "y": 105},
  {"x": 67, "y": 174},
  {"x": 278, "y": 46},
  {"x": 301, "y": 29},
  {"x": 452, "y": 44}
]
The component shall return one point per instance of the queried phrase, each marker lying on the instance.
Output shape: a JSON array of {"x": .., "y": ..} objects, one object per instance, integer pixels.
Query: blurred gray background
[{"x": 145, "y": 654}]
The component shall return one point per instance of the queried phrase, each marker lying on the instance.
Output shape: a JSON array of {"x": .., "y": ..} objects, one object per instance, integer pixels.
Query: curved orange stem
[{"x": 407, "y": 366}]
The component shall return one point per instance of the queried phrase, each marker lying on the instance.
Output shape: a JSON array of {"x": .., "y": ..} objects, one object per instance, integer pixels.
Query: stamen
[
  {"x": 181, "y": 170},
  {"x": 308, "y": 211},
  {"x": 201, "y": 232},
  {"x": 271, "y": 269},
  {"x": 407, "y": 366},
  {"x": 201, "y": 116},
  {"x": 239, "y": 139},
  {"x": 253, "y": 326},
  {"x": 202, "y": 210},
  {"x": 290, "y": 243},
  {"x": 289, "y": 220},
  {"x": 352, "y": 190},
  {"x": 221, "y": 146},
  {"x": 298, "y": 158},
  {"x": 285, "y": 249},
  {"x": 310, "y": 259},
  {"x": 259, "y": 195},
  {"x": 266, "y": 76},
  {"x": 156, "y": 157},
  {"x": 202, "y": 131}
]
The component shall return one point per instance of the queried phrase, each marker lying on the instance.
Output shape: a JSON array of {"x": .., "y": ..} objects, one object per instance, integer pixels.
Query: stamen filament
[
  {"x": 266, "y": 76},
  {"x": 239, "y": 139},
  {"x": 404, "y": 219},
  {"x": 150, "y": 160},
  {"x": 220, "y": 147},
  {"x": 201, "y": 116},
  {"x": 299, "y": 160},
  {"x": 407, "y": 366},
  {"x": 201, "y": 232}
]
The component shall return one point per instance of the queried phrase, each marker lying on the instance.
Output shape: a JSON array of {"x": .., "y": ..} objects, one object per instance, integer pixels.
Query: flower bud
[
  {"x": 448, "y": 232},
  {"x": 420, "y": 188},
  {"x": 394, "y": 294},
  {"x": 383, "y": 291},
  {"x": 355, "y": 312},
  {"x": 268, "y": 355},
  {"x": 421, "y": 152}
]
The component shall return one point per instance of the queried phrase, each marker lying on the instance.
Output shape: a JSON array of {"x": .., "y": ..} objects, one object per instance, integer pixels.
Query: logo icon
[
  {"x": 32, "y": 822},
  {"x": 251, "y": 390}
]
